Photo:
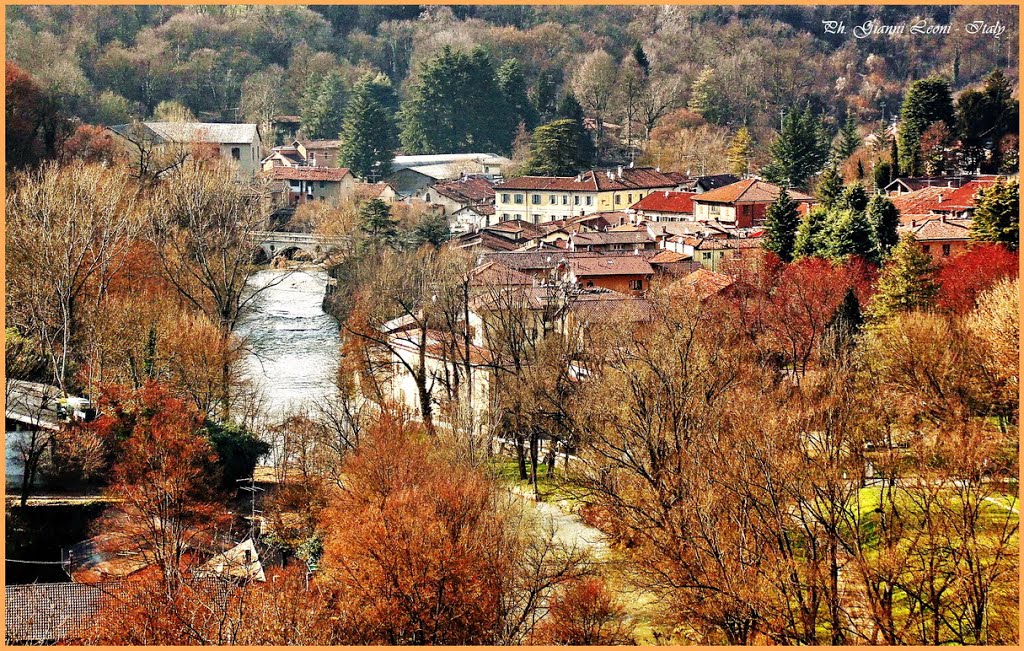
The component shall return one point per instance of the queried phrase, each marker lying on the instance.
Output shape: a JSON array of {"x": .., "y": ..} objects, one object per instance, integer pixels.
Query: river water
[{"x": 294, "y": 344}]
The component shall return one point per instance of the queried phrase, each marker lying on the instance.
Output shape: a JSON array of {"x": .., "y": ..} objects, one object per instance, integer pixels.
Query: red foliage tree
[
  {"x": 163, "y": 479},
  {"x": 584, "y": 613},
  {"x": 967, "y": 275},
  {"x": 90, "y": 143},
  {"x": 411, "y": 545},
  {"x": 33, "y": 122}
]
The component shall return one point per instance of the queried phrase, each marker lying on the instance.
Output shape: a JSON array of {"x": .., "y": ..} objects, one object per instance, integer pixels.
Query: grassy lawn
[{"x": 552, "y": 488}]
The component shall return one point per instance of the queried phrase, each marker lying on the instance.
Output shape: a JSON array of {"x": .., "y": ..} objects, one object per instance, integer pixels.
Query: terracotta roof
[
  {"x": 494, "y": 273},
  {"x": 635, "y": 178},
  {"x": 962, "y": 198},
  {"x": 309, "y": 173},
  {"x": 525, "y": 229},
  {"x": 704, "y": 282},
  {"x": 670, "y": 202},
  {"x": 919, "y": 182},
  {"x": 668, "y": 257},
  {"x": 750, "y": 190},
  {"x": 920, "y": 201},
  {"x": 468, "y": 190},
  {"x": 527, "y": 260},
  {"x": 942, "y": 230},
  {"x": 605, "y": 238},
  {"x": 609, "y": 265}
]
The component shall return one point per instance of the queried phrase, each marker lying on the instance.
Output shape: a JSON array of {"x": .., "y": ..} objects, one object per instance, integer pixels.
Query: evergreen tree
[
  {"x": 844, "y": 326},
  {"x": 894, "y": 160},
  {"x": 997, "y": 214},
  {"x": 854, "y": 198},
  {"x": 369, "y": 134},
  {"x": 544, "y": 97},
  {"x": 377, "y": 223},
  {"x": 516, "y": 105},
  {"x": 907, "y": 281},
  {"x": 811, "y": 233},
  {"x": 454, "y": 106},
  {"x": 571, "y": 109},
  {"x": 799, "y": 151},
  {"x": 706, "y": 99},
  {"x": 882, "y": 176},
  {"x": 434, "y": 229},
  {"x": 830, "y": 187},
  {"x": 782, "y": 219},
  {"x": 884, "y": 220},
  {"x": 927, "y": 101},
  {"x": 860, "y": 170},
  {"x": 849, "y": 139},
  {"x": 323, "y": 107},
  {"x": 641, "y": 59},
  {"x": 553, "y": 150},
  {"x": 740, "y": 152},
  {"x": 849, "y": 233}
]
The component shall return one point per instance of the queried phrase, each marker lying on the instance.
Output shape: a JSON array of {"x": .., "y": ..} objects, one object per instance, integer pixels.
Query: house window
[
  {"x": 706, "y": 255},
  {"x": 504, "y": 198},
  {"x": 536, "y": 218},
  {"x": 945, "y": 249},
  {"x": 504, "y": 216},
  {"x": 236, "y": 153},
  {"x": 590, "y": 201},
  {"x": 519, "y": 216},
  {"x": 552, "y": 199},
  {"x": 927, "y": 248},
  {"x": 519, "y": 198},
  {"x": 714, "y": 209},
  {"x": 535, "y": 199},
  {"x": 576, "y": 200},
  {"x": 618, "y": 199},
  {"x": 590, "y": 283},
  {"x": 565, "y": 200},
  {"x": 629, "y": 199},
  {"x": 636, "y": 285},
  {"x": 323, "y": 184},
  {"x": 426, "y": 197}
]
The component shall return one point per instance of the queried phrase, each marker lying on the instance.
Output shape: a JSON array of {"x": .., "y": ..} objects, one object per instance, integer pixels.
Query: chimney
[{"x": 620, "y": 171}]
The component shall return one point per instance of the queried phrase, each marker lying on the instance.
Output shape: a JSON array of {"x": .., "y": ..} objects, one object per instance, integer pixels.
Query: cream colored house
[{"x": 540, "y": 199}]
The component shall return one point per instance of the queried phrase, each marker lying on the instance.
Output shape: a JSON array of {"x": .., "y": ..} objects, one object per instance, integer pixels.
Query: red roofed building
[
  {"x": 941, "y": 237},
  {"x": 549, "y": 198},
  {"x": 665, "y": 206},
  {"x": 743, "y": 204},
  {"x": 292, "y": 186},
  {"x": 627, "y": 274}
]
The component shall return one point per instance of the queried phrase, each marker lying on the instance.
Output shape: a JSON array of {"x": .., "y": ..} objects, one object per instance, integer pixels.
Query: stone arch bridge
[{"x": 276, "y": 243}]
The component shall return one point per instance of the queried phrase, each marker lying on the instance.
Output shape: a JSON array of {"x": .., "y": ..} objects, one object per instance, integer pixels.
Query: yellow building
[{"x": 540, "y": 199}]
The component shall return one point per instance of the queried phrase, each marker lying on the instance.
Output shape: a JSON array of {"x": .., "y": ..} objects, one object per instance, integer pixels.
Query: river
[{"x": 294, "y": 344}]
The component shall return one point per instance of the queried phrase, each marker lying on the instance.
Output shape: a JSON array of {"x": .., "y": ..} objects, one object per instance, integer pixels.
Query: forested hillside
[{"x": 731, "y": 65}]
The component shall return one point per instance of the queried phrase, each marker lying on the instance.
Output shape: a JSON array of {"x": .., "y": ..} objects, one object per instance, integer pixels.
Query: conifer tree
[
  {"x": 830, "y": 187},
  {"x": 849, "y": 233},
  {"x": 907, "y": 281},
  {"x": 517, "y": 108},
  {"x": 571, "y": 109},
  {"x": 369, "y": 134},
  {"x": 849, "y": 139},
  {"x": 740, "y": 152},
  {"x": 844, "y": 325},
  {"x": 799, "y": 151},
  {"x": 323, "y": 106},
  {"x": 884, "y": 219},
  {"x": 854, "y": 198},
  {"x": 706, "y": 99},
  {"x": 781, "y": 222},
  {"x": 997, "y": 214},
  {"x": 927, "y": 101},
  {"x": 553, "y": 150},
  {"x": 377, "y": 223},
  {"x": 810, "y": 233}
]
